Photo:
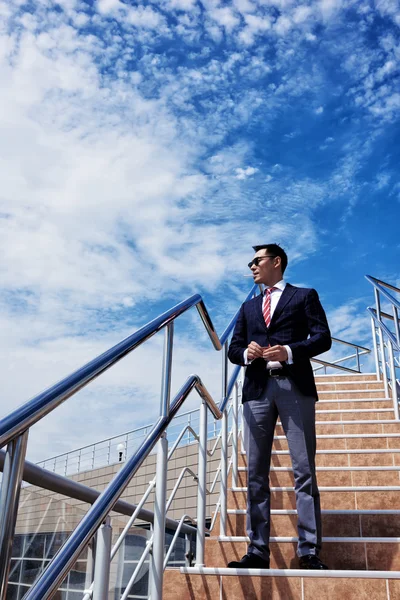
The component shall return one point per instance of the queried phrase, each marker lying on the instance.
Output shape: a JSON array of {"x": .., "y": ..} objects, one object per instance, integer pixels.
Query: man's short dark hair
[{"x": 276, "y": 250}]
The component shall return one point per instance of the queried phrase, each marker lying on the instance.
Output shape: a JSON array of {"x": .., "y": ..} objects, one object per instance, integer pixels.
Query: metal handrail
[
  {"x": 360, "y": 350},
  {"x": 41, "y": 405},
  {"x": 14, "y": 427},
  {"x": 54, "y": 574},
  {"x": 386, "y": 343}
]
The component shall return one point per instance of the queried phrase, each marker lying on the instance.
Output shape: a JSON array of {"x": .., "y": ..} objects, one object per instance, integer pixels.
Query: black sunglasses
[{"x": 256, "y": 260}]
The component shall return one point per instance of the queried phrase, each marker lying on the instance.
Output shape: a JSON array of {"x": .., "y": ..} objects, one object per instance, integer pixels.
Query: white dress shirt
[{"x": 275, "y": 297}]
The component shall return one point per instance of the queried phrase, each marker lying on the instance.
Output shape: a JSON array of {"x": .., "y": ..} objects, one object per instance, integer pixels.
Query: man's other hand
[
  {"x": 275, "y": 353},
  {"x": 254, "y": 351}
]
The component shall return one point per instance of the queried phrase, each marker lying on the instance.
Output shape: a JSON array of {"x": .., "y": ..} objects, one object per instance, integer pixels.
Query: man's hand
[
  {"x": 274, "y": 353},
  {"x": 254, "y": 351}
]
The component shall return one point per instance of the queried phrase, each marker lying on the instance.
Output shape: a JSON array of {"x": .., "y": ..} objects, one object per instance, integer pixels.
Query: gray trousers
[{"x": 297, "y": 414}]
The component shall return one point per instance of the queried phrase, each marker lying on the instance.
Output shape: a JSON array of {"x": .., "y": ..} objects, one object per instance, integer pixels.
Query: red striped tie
[{"x": 267, "y": 306}]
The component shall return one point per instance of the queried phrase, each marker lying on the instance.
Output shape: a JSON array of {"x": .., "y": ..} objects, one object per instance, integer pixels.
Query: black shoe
[
  {"x": 311, "y": 561},
  {"x": 249, "y": 561}
]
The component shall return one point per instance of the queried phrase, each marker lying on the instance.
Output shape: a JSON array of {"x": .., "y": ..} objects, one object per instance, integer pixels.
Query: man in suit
[{"x": 275, "y": 336}]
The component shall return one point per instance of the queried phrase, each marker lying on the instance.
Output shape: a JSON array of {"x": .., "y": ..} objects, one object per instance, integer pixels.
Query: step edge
[
  {"x": 224, "y": 571},
  {"x": 324, "y": 540},
  {"x": 330, "y": 488},
  {"x": 350, "y": 511}
]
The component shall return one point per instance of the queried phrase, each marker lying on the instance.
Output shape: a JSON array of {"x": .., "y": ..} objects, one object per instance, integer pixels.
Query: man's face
[{"x": 268, "y": 270}]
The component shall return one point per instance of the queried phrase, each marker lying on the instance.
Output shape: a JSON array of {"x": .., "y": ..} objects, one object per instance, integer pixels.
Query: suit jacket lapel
[{"x": 286, "y": 296}]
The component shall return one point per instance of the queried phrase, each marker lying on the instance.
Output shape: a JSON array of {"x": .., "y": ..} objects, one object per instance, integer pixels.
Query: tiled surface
[
  {"x": 215, "y": 587},
  {"x": 340, "y": 589},
  {"x": 247, "y": 588},
  {"x": 190, "y": 587}
]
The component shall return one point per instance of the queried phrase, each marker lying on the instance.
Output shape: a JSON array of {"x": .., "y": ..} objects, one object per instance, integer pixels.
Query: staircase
[{"x": 358, "y": 471}]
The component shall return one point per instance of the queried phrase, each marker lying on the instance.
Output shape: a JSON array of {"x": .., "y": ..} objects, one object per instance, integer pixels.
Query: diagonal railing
[
  {"x": 15, "y": 427},
  {"x": 337, "y": 363},
  {"x": 386, "y": 337},
  {"x": 14, "y": 432}
]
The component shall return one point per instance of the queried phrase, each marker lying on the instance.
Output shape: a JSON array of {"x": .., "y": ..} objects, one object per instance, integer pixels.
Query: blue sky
[{"x": 145, "y": 147}]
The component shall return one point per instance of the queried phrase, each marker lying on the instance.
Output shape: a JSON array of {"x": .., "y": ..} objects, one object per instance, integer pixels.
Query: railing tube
[
  {"x": 224, "y": 443},
  {"x": 9, "y": 499},
  {"x": 201, "y": 490},
  {"x": 166, "y": 371},
  {"x": 376, "y": 355},
  {"x": 157, "y": 563},
  {"x": 224, "y": 472},
  {"x": 102, "y": 561},
  {"x": 393, "y": 380},
  {"x": 396, "y": 324},
  {"x": 235, "y": 435},
  {"x": 383, "y": 360}
]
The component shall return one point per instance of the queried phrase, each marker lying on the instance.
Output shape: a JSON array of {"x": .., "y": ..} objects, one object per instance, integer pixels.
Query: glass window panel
[
  {"x": 22, "y": 591},
  {"x": 134, "y": 546},
  {"x": 12, "y": 592},
  {"x": 55, "y": 542},
  {"x": 34, "y": 547},
  {"x": 18, "y": 545},
  {"x": 77, "y": 579},
  {"x": 31, "y": 569},
  {"x": 142, "y": 580},
  {"x": 15, "y": 570}
]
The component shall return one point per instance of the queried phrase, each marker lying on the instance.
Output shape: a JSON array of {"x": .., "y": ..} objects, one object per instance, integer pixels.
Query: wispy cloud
[{"x": 145, "y": 149}]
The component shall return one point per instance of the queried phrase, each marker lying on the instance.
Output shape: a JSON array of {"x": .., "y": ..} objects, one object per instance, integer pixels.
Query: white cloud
[
  {"x": 245, "y": 173},
  {"x": 319, "y": 110}
]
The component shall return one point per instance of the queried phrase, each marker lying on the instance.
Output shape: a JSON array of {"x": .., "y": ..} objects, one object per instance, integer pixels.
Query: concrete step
[
  {"x": 332, "y": 497},
  {"x": 381, "y": 554},
  {"x": 339, "y": 523},
  {"x": 203, "y": 583}
]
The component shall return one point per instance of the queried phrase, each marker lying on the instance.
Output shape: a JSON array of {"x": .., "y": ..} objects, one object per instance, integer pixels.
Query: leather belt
[{"x": 276, "y": 372}]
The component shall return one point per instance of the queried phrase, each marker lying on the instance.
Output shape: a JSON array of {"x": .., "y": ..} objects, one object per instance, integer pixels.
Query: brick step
[
  {"x": 351, "y": 394},
  {"x": 334, "y": 523},
  {"x": 346, "y": 377},
  {"x": 343, "y": 441},
  {"x": 333, "y": 476},
  {"x": 290, "y": 584},
  {"x": 348, "y": 385},
  {"x": 356, "y": 403},
  {"x": 355, "y": 414},
  {"x": 339, "y": 458},
  {"x": 381, "y": 554},
  {"x": 349, "y": 427},
  {"x": 332, "y": 497}
]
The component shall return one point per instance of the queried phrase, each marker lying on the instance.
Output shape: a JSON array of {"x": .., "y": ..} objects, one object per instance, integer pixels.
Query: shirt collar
[{"x": 280, "y": 285}]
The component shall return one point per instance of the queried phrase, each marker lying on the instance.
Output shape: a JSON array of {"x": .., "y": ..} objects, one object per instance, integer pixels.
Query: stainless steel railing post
[
  {"x": 9, "y": 499},
  {"x": 201, "y": 491},
  {"x": 157, "y": 562},
  {"x": 376, "y": 355},
  {"x": 383, "y": 361},
  {"x": 166, "y": 369},
  {"x": 396, "y": 324},
  {"x": 224, "y": 444},
  {"x": 235, "y": 436},
  {"x": 102, "y": 561},
  {"x": 393, "y": 380}
]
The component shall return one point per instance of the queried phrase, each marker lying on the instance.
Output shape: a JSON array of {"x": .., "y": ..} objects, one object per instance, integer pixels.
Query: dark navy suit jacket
[{"x": 299, "y": 321}]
